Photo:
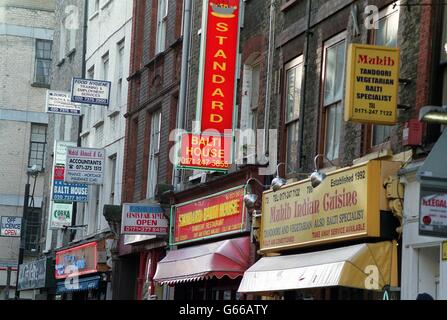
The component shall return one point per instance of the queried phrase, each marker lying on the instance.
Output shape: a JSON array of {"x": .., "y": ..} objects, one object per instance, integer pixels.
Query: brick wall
[
  {"x": 154, "y": 87},
  {"x": 327, "y": 21}
]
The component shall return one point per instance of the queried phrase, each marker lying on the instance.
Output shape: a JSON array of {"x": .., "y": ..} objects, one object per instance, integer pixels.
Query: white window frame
[
  {"x": 62, "y": 40},
  {"x": 298, "y": 62},
  {"x": 162, "y": 17},
  {"x": 120, "y": 72},
  {"x": 335, "y": 40},
  {"x": 384, "y": 14},
  {"x": 154, "y": 153},
  {"x": 113, "y": 167}
]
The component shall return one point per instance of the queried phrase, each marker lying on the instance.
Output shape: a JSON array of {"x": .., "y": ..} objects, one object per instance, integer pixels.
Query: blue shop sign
[{"x": 69, "y": 191}]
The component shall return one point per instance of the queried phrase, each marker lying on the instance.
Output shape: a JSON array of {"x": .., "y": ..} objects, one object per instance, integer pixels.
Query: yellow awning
[{"x": 369, "y": 266}]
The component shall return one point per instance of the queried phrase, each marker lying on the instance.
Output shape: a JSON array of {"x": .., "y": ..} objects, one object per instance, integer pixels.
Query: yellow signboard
[
  {"x": 372, "y": 84},
  {"x": 346, "y": 205}
]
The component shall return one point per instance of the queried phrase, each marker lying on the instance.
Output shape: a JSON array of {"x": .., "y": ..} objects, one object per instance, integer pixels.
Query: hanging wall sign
[
  {"x": 60, "y": 102},
  {"x": 90, "y": 91},
  {"x": 61, "y": 214},
  {"x": 68, "y": 191},
  {"x": 85, "y": 165},
  {"x": 143, "y": 219},
  {"x": 217, "y": 81},
  {"x": 372, "y": 84},
  {"x": 61, "y": 151}
]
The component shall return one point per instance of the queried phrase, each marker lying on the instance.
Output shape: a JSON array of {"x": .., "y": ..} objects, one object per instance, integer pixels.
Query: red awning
[{"x": 224, "y": 258}]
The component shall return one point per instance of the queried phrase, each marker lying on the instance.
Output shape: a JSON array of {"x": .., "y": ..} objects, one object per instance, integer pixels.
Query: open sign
[
  {"x": 10, "y": 226},
  {"x": 10, "y": 232}
]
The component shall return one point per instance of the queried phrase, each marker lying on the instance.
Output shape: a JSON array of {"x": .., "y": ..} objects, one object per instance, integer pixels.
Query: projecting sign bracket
[
  {"x": 405, "y": 81},
  {"x": 403, "y": 107}
]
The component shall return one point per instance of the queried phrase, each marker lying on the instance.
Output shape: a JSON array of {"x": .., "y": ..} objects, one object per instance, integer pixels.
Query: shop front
[
  {"x": 210, "y": 245},
  {"x": 36, "y": 279},
  {"x": 424, "y": 253},
  {"x": 333, "y": 241},
  {"x": 82, "y": 272}
]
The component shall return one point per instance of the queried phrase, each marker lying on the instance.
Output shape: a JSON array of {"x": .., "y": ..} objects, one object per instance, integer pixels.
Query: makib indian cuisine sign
[
  {"x": 216, "y": 94},
  {"x": 346, "y": 205},
  {"x": 372, "y": 84}
]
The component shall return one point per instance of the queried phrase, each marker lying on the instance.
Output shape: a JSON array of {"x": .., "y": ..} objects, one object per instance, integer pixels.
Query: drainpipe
[
  {"x": 268, "y": 80},
  {"x": 83, "y": 72},
  {"x": 304, "y": 82},
  {"x": 183, "y": 80}
]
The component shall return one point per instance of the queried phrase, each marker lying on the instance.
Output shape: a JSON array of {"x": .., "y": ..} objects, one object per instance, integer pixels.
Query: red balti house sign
[{"x": 216, "y": 89}]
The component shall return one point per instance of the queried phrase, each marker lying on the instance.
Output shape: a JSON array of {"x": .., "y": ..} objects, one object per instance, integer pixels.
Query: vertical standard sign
[
  {"x": 85, "y": 165},
  {"x": 372, "y": 84},
  {"x": 217, "y": 79}
]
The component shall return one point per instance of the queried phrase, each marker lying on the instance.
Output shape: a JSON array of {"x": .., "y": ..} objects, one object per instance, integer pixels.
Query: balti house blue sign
[{"x": 70, "y": 192}]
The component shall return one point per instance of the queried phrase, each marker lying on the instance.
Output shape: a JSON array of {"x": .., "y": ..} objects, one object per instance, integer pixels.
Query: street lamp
[
  {"x": 31, "y": 171},
  {"x": 251, "y": 198},
  {"x": 278, "y": 182},
  {"x": 317, "y": 177},
  {"x": 433, "y": 114}
]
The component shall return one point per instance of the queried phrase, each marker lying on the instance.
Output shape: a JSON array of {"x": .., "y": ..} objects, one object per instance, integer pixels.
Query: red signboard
[
  {"x": 216, "y": 97},
  {"x": 200, "y": 151},
  {"x": 220, "y": 58},
  {"x": 59, "y": 173},
  {"x": 76, "y": 261},
  {"x": 209, "y": 217}
]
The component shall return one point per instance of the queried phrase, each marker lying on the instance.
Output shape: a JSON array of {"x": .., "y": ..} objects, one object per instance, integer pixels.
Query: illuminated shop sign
[
  {"x": 217, "y": 82},
  {"x": 212, "y": 216}
]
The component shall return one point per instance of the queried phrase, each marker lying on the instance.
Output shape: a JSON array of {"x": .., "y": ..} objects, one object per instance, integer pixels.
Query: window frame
[
  {"x": 48, "y": 60},
  {"x": 31, "y": 142},
  {"x": 368, "y": 129},
  {"x": 120, "y": 71},
  {"x": 330, "y": 42},
  {"x": 295, "y": 121},
  {"x": 161, "y": 28},
  {"x": 113, "y": 166},
  {"x": 154, "y": 154}
]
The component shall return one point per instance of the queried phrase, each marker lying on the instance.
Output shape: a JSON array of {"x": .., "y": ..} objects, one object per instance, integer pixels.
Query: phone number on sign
[
  {"x": 205, "y": 162},
  {"x": 145, "y": 229}
]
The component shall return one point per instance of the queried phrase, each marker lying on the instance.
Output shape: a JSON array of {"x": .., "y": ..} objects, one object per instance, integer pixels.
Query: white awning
[{"x": 364, "y": 266}]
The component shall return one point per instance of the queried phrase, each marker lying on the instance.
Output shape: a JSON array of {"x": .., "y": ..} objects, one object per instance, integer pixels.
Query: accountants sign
[
  {"x": 372, "y": 84},
  {"x": 84, "y": 165},
  {"x": 346, "y": 205}
]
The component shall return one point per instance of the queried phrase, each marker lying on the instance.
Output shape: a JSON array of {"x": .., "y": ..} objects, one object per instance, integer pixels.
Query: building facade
[{"x": 26, "y": 37}]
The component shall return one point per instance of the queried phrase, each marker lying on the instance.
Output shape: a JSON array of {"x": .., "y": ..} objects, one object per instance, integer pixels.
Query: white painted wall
[
  {"x": 422, "y": 268},
  {"x": 106, "y": 128}
]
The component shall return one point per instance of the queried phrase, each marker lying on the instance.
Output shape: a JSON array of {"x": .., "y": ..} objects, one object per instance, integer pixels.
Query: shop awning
[
  {"x": 364, "y": 266},
  {"x": 83, "y": 284},
  {"x": 224, "y": 258}
]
